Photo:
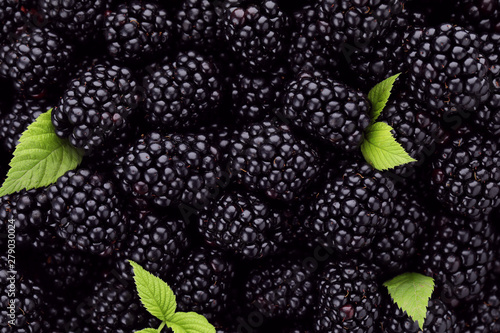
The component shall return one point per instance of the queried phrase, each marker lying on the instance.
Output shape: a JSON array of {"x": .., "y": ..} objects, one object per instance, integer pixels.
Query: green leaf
[
  {"x": 147, "y": 330},
  {"x": 40, "y": 158},
  {"x": 411, "y": 292},
  {"x": 190, "y": 322},
  {"x": 381, "y": 150},
  {"x": 379, "y": 96},
  {"x": 155, "y": 294}
]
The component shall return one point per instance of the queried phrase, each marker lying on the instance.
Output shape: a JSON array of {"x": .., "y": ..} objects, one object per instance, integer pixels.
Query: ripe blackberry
[
  {"x": 255, "y": 32},
  {"x": 198, "y": 25},
  {"x": 61, "y": 313},
  {"x": 95, "y": 106},
  {"x": 393, "y": 249},
  {"x": 349, "y": 298},
  {"x": 34, "y": 61},
  {"x": 483, "y": 316},
  {"x": 328, "y": 110},
  {"x": 137, "y": 30},
  {"x": 465, "y": 175},
  {"x": 11, "y": 18},
  {"x": 182, "y": 93},
  {"x": 77, "y": 20},
  {"x": 479, "y": 15},
  {"x": 155, "y": 242},
  {"x": 203, "y": 282},
  {"x": 169, "y": 170},
  {"x": 439, "y": 319},
  {"x": 256, "y": 96},
  {"x": 447, "y": 72},
  {"x": 266, "y": 157},
  {"x": 351, "y": 208},
  {"x": 88, "y": 212},
  {"x": 14, "y": 123},
  {"x": 356, "y": 22},
  {"x": 282, "y": 288},
  {"x": 28, "y": 301},
  {"x": 115, "y": 307},
  {"x": 310, "y": 47},
  {"x": 458, "y": 254},
  {"x": 243, "y": 224}
]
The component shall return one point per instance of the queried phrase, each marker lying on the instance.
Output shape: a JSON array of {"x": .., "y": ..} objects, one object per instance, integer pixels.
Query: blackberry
[
  {"x": 483, "y": 316},
  {"x": 479, "y": 15},
  {"x": 28, "y": 301},
  {"x": 137, "y": 30},
  {"x": 358, "y": 22},
  {"x": 328, "y": 110},
  {"x": 349, "y": 298},
  {"x": 88, "y": 213},
  {"x": 458, "y": 254},
  {"x": 115, "y": 307},
  {"x": 169, "y": 170},
  {"x": 282, "y": 288},
  {"x": 182, "y": 93},
  {"x": 155, "y": 242},
  {"x": 95, "y": 106},
  {"x": 439, "y": 319},
  {"x": 14, "y": 123},
  {"x": 310, "y": 47},
  {"x": 256, "y": 32},
  {"x": 61, "y": 313},
  {"x": 203, "y": 282},
  {"x": 353, "y": 206},
  {"x": 34, "y": 61},
  {"x": 465, "y": 175},
  {"x": 11, "y": 18},
  {"x": 393, "y": 249},
  {"x": 256, "y": 96},
  {"x": 198, "y": 25},
  {"x": 77, "y": 20},
  {"x": 447, "y": 72},
  {"x": 243, "y": 224},
  {"x": 266, "y": 157}
]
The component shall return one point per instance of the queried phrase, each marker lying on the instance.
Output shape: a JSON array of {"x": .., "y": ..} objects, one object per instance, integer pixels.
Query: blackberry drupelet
[
  {"x": 256, "y": 32},
  {"x": 352, "y": 207},
  {"x": 96, "y": 106},
  {"x": 281, "y": 288},
  {"x": 465, "y": 175},
  {"x": 310, "y": 47},
  {"x": 169, "y": 170},
  {"x": 447, "y": 72},
  {"x": 182, "y": 93},
  {"x": 479, "y": 15},
  {"x": 198, "y": 25},
  {"x": 256, "y": 96},
  {"x": 203, "y": 282},
  {"x": 393, "y": 249},
  {"x": 35, "y": 61},
  {"x": 483, "y": 316},
  {"x": 88, "y": 212},
  {"x": 243, "y": 224},
  {"x": 14, "y": 123},
  {"x": 358, "y": 22},
  {"x": 328, "y": 110},
  {"x": 439, "y": 319},
  {"x": 80, "y": 20},
  {"x": 61, "y": 313},
  {"x": 266, "y": 157},
  {"x": 137, "y": 30},
  {"x": 115, "y": 307},
  {"x": 349, "y": 298},
  {"x": 11, "y": 18},
  {"x": 458, "y": 254},
  {"x": 155, "y": 242}
]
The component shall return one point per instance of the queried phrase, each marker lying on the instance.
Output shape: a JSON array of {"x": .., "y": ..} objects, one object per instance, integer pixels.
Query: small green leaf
[
  {"x": 190, "y": 322},
  {"x": 155, "y": 294},
  {"x": 40, "y": 158},
  {"x": 379, "y": 96},
  {"x": 381, "y": 150},
  {"x": 147, "y": 330},
  {"x": 411, "y": 292}
]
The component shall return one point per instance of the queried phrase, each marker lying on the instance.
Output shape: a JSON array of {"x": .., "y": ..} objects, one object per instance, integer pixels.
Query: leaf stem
[{"x": 161, "y": 326}]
